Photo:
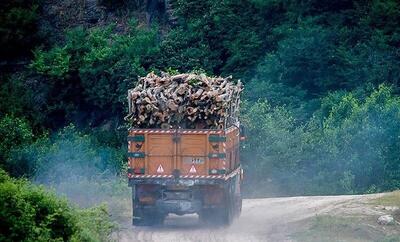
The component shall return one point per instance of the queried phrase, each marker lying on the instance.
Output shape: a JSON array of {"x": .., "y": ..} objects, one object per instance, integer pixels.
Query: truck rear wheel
[
  {"x": 218, "y": 216},
  {"x": 239, "y": 211},
  {"x": 228, "y": 213}
]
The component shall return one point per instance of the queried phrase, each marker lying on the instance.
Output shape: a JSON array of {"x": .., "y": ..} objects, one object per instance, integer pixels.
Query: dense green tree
[
  {"x": 13, "y": 132},
  {"x": 18, "y": 26},
  {"x": 349, "y": 146},
  {"x": 87, "y": 78},
  {"x": 221, "y": 37},
  {"x": 272, "y": 151},
  {"x": 318, "y": 123}
]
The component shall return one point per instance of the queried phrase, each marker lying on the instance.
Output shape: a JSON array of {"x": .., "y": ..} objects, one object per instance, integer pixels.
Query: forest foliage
[
  {"x": 321, "y": 101},
  {"x": 348, "y": 146}
]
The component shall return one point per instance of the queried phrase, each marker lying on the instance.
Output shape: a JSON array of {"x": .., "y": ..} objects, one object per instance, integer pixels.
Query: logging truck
[
  {"x": 183, "y": 148},
  {"x": 184, "y": 171}
]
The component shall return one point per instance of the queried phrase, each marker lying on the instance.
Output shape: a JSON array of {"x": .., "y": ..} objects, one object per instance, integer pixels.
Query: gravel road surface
[{"x": 268, "y": 219}]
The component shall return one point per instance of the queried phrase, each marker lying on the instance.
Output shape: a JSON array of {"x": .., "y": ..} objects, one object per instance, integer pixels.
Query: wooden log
[
  {"x": 183, "y": 101},
  {"x": 172, "y": 105},
  {"x": 197, "y": 94}
]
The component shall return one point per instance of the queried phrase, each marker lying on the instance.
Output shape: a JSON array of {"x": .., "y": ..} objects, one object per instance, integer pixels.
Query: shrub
[
  {"x": 30, "y": 213},
  {"x": 54, "y": 63},
  {"x": 360, "y": 139},
  {"x": 273, "y": 149},
  {"x": 92, "y": 71},
  {"x": 14, "y": 132},
  {"x": 94, "y": 225},
  {"x": 68, "y": 155},
  {"x": 349, "y": 146}
]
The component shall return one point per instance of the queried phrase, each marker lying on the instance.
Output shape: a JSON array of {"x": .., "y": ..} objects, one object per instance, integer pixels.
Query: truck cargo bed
[{"x": 184, "y": 153}]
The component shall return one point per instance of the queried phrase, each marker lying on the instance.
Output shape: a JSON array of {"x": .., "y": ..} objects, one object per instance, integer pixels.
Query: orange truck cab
[{"x": 184, "y": 171}]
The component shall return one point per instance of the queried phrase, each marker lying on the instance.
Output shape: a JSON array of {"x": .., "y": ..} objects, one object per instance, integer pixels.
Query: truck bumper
[
  {"x": 179, "y": 207},
  {"x": 184, "y": 180},
  {"x": 172, "y": 181}
]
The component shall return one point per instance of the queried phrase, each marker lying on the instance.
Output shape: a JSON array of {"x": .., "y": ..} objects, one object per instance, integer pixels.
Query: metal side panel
[
  {"x": 193, "y": 154},
  {"x": 160, "y": 154}
]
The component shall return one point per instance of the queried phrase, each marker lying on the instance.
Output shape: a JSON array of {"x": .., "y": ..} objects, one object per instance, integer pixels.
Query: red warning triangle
[
  {"x": 160, "y": 169},
  {"x": 193, "y": 169}
]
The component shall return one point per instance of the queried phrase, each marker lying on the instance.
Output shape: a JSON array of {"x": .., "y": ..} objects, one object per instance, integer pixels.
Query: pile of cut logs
[{"x": 192, "y": 101}]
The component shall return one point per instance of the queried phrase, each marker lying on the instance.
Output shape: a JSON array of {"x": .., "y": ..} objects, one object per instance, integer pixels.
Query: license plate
[{"x": 194, "y": 160}]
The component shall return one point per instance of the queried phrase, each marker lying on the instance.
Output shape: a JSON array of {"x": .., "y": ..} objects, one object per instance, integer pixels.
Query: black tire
[
  {"x": 229, "y": 210},
  {"x": 228, "y": 213},
  {"x": 240, "y": 207},
  {"x": 217, "y": 216},
  {"x": 237, "y": 206}
]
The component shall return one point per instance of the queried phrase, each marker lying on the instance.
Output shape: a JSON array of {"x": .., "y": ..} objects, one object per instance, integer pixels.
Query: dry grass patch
[
  {"x": 335, "y": 228},
  {"x": 390, "y": 199}
]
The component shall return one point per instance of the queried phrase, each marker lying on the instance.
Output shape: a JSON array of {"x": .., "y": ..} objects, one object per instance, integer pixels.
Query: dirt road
[{"x": 269, "y": 219}]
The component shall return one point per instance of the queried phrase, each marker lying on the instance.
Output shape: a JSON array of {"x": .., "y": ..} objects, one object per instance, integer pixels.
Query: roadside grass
[
  {"x": 390, "y": 199},
  {"x": 95, "y": 219},
  {"x": 390, "y": 203},
  {"x": 335, "y": 228},
  {"x": 354, "y": 228}
]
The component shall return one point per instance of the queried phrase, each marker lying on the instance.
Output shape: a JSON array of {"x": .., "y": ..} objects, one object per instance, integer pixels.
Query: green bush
[
  {"x": 92, "y": 71},
  {"x": 272, "y": 151},
  {"x": 94, "y": 225},
  {"x": 54, "y": 63},
  {"x": 67, "y": 156},
  {"x": 30, "y": 213},
  {"x": 360, "y": 140},
  {"x": 15, "y": 132},
  {"x": 349, "y": 146}
]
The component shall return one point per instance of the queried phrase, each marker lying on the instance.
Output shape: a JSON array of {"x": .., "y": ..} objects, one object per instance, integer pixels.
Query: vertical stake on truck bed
[
  {"x": 176, "y": 150},
  {"x": 146, "y": 158},
  {"x": 207, "y": 159}
]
